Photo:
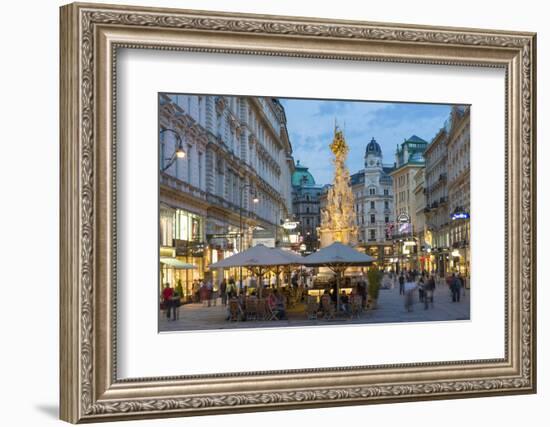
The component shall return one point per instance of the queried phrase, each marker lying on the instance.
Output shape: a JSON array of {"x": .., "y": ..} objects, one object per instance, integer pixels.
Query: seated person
[
  {"x": 325, "y": 295},
  {"x": 344, "y": 302},
  {"x": 272, "y": 301},
  {"x": 280, "y": 305}
]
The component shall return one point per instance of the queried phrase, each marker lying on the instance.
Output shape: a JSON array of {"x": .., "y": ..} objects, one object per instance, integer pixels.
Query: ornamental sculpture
[{"x": 338, "y": 217}]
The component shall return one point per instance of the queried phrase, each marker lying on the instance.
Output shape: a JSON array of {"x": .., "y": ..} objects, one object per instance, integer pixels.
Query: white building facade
[
  {"x": 373, "y": 191},
  {"x": 235, "y": 176}
]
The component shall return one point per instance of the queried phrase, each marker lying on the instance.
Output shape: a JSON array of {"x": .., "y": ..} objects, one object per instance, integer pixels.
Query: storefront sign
[
  {"x": 290, "y": 225},
  {"x": 186, "y": 248},
  {"x": 460, "y": 215},
  {"x": 402, "y": 218},
  {"x": 266, "y": 241}
]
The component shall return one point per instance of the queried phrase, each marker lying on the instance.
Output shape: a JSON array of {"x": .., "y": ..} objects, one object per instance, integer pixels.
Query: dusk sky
[{"x": 311, "y": 128}]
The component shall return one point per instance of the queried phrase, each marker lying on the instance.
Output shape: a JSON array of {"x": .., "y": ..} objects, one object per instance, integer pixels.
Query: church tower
[
  {"x": 373, "y": 163},
  {"x": 373, "y": 155}
]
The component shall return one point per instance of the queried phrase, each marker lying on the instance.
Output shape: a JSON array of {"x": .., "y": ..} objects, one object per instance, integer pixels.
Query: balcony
[{"x": 182, "y": 186}]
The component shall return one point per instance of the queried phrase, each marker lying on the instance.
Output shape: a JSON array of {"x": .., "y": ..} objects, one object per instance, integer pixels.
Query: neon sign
[{"x": 460, "y": 215}]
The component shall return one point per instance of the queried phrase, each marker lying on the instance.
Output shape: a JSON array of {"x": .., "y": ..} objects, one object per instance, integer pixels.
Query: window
[
  {"x": 372, "y": 191},
  {"x": 386, "y": 219},
  {"x": 372, "y": 219},
  {"x": 307, "y": 221},
  {"x": 386, "y": 205},
  {"x": 372, "y": 205},
  {"x": 386, "y": 192},
  {"x": 372, "y": 235},
  {"x": 307, "y": 209}
]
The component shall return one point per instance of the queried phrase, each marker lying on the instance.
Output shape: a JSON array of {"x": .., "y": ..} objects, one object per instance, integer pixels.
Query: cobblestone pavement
[{"x": 391, "y": 309}]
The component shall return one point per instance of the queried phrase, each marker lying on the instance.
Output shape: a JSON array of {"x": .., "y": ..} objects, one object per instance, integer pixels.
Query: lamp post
[
  {"x": 179, "y": 153},
  {"x": 241, "y": 233}
]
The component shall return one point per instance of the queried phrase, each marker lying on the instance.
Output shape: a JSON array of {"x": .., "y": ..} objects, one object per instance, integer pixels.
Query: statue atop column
[{"x": 338, "y": 217}]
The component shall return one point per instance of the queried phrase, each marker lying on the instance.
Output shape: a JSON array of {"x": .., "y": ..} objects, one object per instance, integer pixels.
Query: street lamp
[
  {"x": 178, "y": 154},
  {"x": 255, "y": 199}
]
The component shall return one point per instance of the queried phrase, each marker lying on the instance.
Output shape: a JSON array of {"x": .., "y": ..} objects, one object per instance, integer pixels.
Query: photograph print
[{"x": 280, "y": 212}]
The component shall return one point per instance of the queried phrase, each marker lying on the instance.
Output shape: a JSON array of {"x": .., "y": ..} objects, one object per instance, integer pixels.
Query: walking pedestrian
[
  {"x": 167, "y": 294},
  {"x": 409, "y": 288},
  {"x": 429, "y": 296},
  {"x": 401, "y": 284},
  {"x": 421, "y": 290},
  {"x": 209, "y": 292}
]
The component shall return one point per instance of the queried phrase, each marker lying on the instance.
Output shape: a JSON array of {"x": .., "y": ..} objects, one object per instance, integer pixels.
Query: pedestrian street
[{"x": 391, "y": 309}]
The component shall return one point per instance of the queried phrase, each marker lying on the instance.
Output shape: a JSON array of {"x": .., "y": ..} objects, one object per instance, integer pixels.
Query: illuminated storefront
[{"x": 181, "y": 236}]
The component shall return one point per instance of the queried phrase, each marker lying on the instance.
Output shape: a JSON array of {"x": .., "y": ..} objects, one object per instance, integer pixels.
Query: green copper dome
[{"x": 301, "y": 176}]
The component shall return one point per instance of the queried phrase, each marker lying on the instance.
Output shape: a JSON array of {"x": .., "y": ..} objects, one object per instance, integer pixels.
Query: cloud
[{"x": 311, "y": 127}]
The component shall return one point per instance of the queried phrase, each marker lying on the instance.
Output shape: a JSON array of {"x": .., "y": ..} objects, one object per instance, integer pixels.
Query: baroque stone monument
[{"x": 338, "y": 217}]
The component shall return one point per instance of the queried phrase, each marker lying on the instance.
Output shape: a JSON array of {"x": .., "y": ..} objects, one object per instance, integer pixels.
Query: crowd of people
[
  {"x": 424, "y": 283},
  {"x": 413, "y": 286}
]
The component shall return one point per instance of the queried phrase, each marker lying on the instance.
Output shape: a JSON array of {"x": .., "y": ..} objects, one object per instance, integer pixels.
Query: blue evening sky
[{"x": 311, "y": 128}]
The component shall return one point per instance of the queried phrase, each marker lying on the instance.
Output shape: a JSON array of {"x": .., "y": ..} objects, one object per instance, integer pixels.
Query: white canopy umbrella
[
  {"x": 337, "y": 257},
  {"x": 257, "y": 256},
  {"x": 257, "y": 259},
  {"x": 176, "y": 263},
  {"x": 292, "y": 257}
]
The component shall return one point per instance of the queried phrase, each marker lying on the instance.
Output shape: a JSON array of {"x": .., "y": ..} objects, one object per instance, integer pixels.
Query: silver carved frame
[{"x": 90, "y": 36}]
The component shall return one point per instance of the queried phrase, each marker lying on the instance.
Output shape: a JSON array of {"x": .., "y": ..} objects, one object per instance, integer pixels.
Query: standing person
[
  {"x": 455, "y": 288},
  {"x": 362, "y": 291},
  {"x": 401, "y": 284},
  {"x": 167, "y": 294},
  {"x": 409, "y": 288},
  {"x": 421, "y": 289},
  {"x": 294, "y": 280},
  {"x": 203, "y": 292},
  {"x": 223, "y": 291},
  {"x": 429, "y": 289},
  {"x": 462, "y": 281},
  {"x": 231, "y": 288},
  {"x": 196, "y": 291},
  {"x": 209, "y": 292}
]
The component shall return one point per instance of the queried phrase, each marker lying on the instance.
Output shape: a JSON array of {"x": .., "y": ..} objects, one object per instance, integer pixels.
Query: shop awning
[{"x": 176, "y": 263}]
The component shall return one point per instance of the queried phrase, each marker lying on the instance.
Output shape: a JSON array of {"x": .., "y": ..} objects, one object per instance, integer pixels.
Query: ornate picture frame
[{"x": 90, "y": 37}]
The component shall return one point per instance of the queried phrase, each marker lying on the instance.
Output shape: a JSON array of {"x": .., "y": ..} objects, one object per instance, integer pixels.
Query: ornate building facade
[
  {"x": 306, "y": 195},
  {"x": 459, "y": 188},
  {"x": 373, "y": 189},
  {"x": 235, "y": 176},
  {"x": 437, "y": 199},
  {"x": 448, "y": 194},
  {"x": 409, "y": 159}
]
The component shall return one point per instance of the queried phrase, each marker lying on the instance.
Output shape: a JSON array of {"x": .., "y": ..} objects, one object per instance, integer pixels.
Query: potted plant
[{"x": 374, "y": 277}]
